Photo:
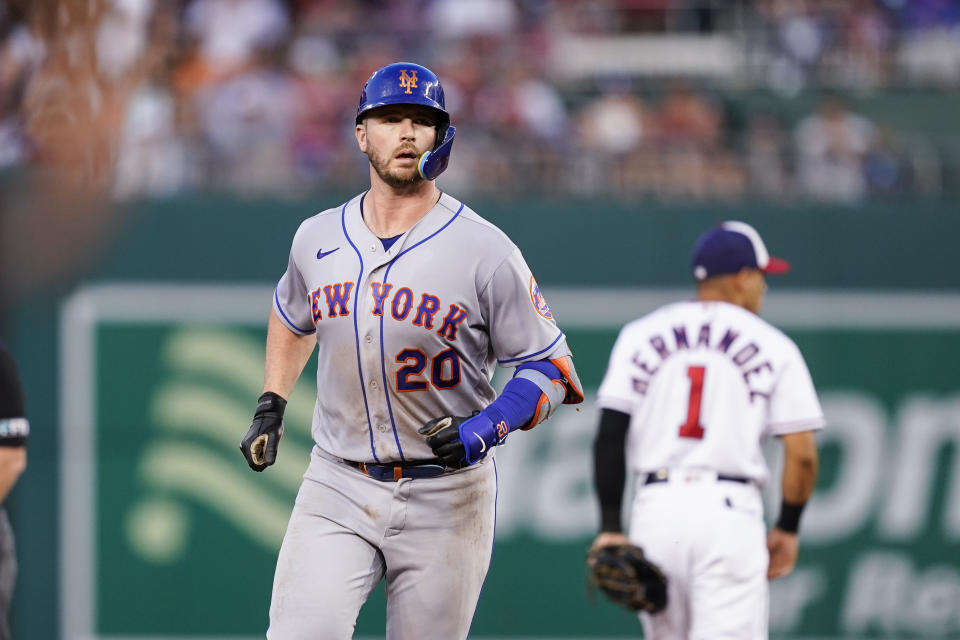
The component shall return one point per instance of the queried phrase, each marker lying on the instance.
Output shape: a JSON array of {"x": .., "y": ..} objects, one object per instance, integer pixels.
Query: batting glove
[
  {"x": 260, "y": 444},
  {"x": 459, "y": 442}
]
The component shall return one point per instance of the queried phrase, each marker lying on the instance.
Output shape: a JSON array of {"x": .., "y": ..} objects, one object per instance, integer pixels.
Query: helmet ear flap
[
  {"x": 433, "y": 163},
  {"x": 442, "y": 130}
]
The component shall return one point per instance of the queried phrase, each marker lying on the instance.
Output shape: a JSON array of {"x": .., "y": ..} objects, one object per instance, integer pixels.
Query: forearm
[
  {"x": 799, "y": 478},
  {"x": 13, "y": 460},
  {"x": 286, "y": 355},
  {"x": 800, "y": 467},
  {"x": 609, "y": 467}
]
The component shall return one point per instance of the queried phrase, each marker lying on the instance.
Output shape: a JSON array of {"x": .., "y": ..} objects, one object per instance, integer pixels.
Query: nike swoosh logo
[
  {"x": 482, "y": 441},
  {"x": 322, "y": 254}
]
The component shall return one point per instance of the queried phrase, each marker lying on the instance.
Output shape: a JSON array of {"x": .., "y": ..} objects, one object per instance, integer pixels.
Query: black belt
[
  {"x": 663, "y": 476},
  {"x": 393, "y": 471}
]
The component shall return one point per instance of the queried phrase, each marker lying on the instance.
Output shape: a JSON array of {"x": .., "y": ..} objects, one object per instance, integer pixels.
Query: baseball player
[
  {"x": 14, "y": 431},
  {"x": 691, "y": 391},
  {"x": 411, "y": 299}
]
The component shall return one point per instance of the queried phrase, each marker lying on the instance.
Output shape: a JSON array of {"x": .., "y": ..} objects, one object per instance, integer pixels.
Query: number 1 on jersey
[{"x": 692, "y": 427}]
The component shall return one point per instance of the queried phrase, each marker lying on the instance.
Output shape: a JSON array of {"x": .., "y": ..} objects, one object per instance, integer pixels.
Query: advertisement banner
[{"x": 171, "y": 535}]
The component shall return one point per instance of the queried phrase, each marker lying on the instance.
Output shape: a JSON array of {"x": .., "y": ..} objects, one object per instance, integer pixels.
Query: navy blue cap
[{"x": 730, "y": 247}]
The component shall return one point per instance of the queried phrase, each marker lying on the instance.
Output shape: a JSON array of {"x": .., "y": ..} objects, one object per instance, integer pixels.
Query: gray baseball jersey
[
  {"x": 412, "y": 333},
  {"x": 405, "y": 335}
]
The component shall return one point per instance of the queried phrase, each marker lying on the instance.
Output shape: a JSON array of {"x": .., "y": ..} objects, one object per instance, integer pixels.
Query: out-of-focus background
[{"x": 156, "y": 157}]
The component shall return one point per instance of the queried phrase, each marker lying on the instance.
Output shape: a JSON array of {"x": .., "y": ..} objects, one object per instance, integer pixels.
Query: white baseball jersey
[
  {"x": 412, "y": 333},
  {"x": 704, "y": 384}
]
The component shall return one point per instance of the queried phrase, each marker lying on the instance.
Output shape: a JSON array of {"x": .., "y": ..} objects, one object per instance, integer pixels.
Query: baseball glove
[{"x": 628, "y": 579}]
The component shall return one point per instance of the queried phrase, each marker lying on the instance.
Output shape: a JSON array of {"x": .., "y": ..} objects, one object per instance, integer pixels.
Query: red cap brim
[{"x": 776, "y": 266}]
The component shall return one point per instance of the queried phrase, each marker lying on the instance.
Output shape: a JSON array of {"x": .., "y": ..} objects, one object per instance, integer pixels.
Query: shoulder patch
[{"x": 539, "y": 302}]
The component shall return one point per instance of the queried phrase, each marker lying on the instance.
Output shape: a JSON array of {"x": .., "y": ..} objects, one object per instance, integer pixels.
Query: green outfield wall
[{"x": 138, "y": 518}]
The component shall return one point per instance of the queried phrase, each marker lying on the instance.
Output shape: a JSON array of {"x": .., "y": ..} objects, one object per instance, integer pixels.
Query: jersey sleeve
[
  {"x": 521, "y": 324},
  {"x": 794, "y": 405},
  {"x": 14, "y": 426},
  {"x": 291, "y": 300},
  {"x": 616, "y": 391}
]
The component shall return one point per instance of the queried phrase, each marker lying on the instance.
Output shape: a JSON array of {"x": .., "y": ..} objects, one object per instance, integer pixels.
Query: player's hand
[
  {"x": 458, "y": 441},
  {"x": 260, "y": 444},
  {"x": 783, "y": 548},
  {"x": 610, "y": 539}
]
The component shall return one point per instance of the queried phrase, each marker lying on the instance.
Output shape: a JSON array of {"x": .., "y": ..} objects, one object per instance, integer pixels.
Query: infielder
[
  {"x": 691, "y": 392},
  {"x": 412, "y": 299}
]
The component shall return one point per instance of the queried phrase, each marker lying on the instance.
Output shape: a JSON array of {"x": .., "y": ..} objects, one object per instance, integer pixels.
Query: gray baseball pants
[{"x": 430, "y": 538}]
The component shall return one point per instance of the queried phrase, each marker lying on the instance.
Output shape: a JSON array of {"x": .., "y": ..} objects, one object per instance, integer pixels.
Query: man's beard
[{"x": 380, "y": 165}]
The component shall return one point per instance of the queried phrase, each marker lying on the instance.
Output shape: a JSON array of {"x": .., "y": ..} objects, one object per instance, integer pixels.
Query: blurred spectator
[
  {"x": 883, "y": 168},
  {"x": 455, "y": 19},
  {"x": 686, "y": 117},
  {"x": 252, "y": 94},
  {"x": 532, "y": 106},
  {"x": 231, "y": 32},
  {"x": 122, "y": 37},
  {"x": 766, "y": 157},
  {"x": 246, "y": 124},
  {"x": 615, "y": 122},
  {"x": 861, "y": 58},
  {"x": 21, "y": 54},
  {"x": 13, "y": 142},
  {"x": 611, "y": 129},
  {"x": 152, "y": 159},
  {"x": 831, "y": 147},
  {"x": 929, "y": 50}
]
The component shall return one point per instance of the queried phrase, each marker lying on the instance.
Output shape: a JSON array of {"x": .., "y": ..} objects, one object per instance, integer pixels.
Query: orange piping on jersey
[
  {"x": 574, "y": 395},
  {"x": 536, "y": 414}
]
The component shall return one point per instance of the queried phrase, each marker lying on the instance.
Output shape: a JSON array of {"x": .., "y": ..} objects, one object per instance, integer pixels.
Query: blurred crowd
[{"x": 150, "y": 98}]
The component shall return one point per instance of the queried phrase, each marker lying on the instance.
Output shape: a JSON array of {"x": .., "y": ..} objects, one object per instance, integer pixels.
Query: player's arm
[
  {"x": 800, "y": 464},
  {"x": 610, "y": 474},
  {"x": 14, "y": 427},
  {"x": 536, "y": 390},
  {"x": 13, "y": 460},
  {"x": 286, "y": 355}
]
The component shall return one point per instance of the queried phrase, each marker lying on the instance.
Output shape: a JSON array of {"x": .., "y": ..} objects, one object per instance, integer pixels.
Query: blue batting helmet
[
  {"x": 402, "y": 83},
  {"x": 409, "y": 83}
]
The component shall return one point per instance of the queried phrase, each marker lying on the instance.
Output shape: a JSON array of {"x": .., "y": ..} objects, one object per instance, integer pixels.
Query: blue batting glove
[{"x": 480, "y": 432}]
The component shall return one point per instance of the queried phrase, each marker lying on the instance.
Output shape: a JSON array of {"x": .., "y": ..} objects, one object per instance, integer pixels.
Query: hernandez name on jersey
[{"x": 741, "y": 371}]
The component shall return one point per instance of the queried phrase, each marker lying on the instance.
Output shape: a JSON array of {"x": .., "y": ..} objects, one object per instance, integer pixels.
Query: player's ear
[
  {"x": 741, "y": 280},
  {"x": 361, "y": 133}
]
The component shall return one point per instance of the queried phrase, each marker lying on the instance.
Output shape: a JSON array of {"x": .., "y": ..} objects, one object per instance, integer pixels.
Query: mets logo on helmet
[
  {"x": 408, "y": 80},
  {"x": 539, "y": 302}
]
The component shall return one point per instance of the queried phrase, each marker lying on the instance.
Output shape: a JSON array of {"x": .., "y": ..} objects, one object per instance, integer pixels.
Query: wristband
[
  {"x": 789, "y": 520},
  {"x": 270, "y": 402}
]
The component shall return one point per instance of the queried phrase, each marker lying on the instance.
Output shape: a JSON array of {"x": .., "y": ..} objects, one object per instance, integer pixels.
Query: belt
[
  {"x": 393, "y": 471},
  {"x": 663, "y": 476}
]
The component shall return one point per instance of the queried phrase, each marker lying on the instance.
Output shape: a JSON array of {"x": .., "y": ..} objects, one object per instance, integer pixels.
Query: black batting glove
[
  {"x": 260, "y": 444},
  {"x": 443, "y": 437}
]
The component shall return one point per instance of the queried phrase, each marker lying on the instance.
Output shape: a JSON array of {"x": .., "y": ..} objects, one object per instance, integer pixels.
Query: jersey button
[
  {"x": 382, "y": 428},
  {"x": 368, "y": 338},
  {"x": 373, "y": 248},
  {"x": 373, "y": 384}
]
